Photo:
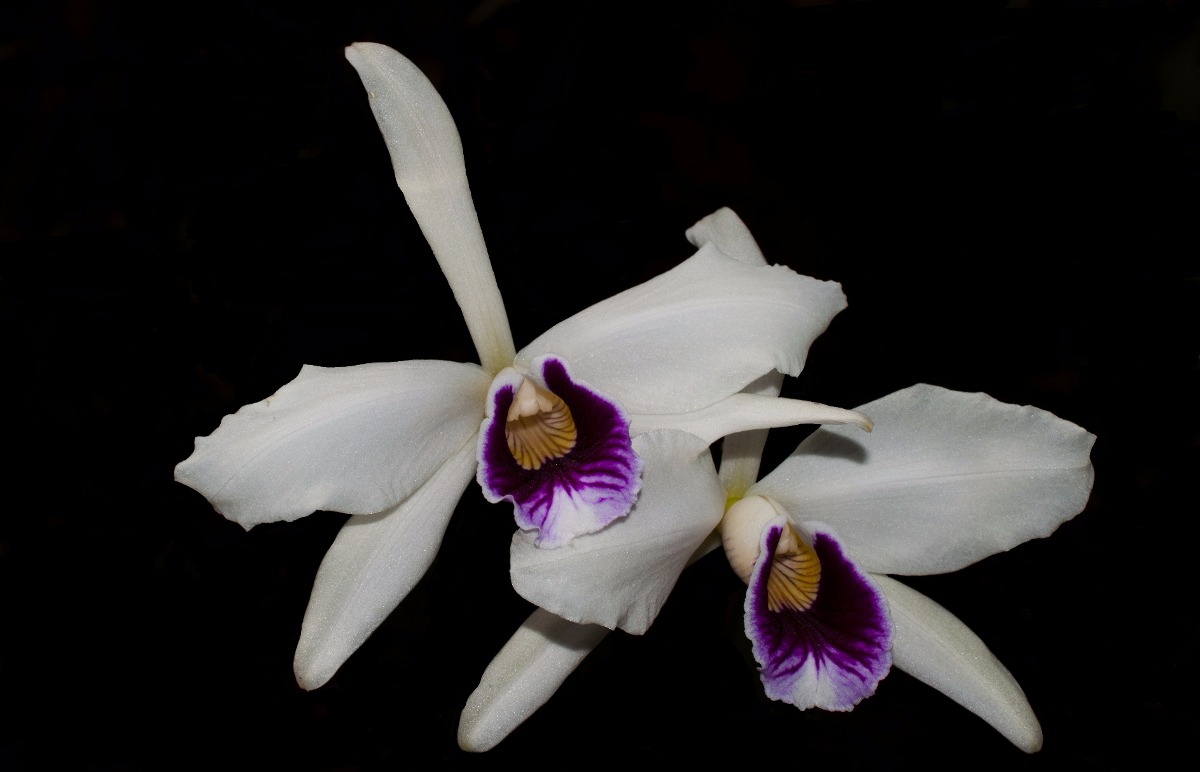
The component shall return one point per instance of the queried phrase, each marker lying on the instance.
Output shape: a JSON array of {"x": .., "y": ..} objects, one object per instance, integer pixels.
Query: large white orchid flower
[
  {"x": 945, "y": 479},
  {"x": 558, "y": 428}
]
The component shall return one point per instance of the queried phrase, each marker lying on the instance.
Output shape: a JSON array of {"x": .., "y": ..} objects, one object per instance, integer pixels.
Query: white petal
[
  {"x": 934, "y": 646},
  {"x": 945, "y": 479},
  {"x": 695, "y": 334},
  {"x": 741, "y": 452},
  {"x": 370, "y": 568},
  {"x": 349, "y": 439},
  {"x": 526, "y": 673},
  {"x": 428, "y": 160},
  {"x": 729, "y": 234},
  {"x": 621, "y": 576},
  {"x": 743, "y": 412}
]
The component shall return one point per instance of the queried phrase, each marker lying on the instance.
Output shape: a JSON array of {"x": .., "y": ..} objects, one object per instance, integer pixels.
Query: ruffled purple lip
[
  {"x": 834, "y": 653},
  {"x": 594, "y": 483}
]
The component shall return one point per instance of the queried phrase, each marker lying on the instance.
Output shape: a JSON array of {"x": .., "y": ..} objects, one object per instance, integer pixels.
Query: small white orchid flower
[
  {"x": 553, "y": 428},
  {"x": 945, "y": 479}
]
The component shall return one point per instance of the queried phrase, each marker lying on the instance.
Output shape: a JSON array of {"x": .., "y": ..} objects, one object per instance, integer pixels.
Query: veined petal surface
[
  {"x": 831, "y": 650},
  {"x": 945, "y": 479},
  {"x": 350, "y": 439},
  {"x": 594, "y": 483},
  {"x": 621, "y": 576},
  {"x": 427, "y": 157},
  {"x": 935, "y": 647},
  {"x": 695, "y": 334},
  {"x": 523, "y": 676},
  {"x": 372, "y": 565}
]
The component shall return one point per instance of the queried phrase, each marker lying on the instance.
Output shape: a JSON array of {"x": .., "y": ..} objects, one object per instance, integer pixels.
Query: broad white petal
[
  {"x": 743, "y": 412},
  {"x": 526, "y": 673},
  {"x": 372, "y": 565},
  {"x": 695, "y": 334},
  {"x": 620, "y": 577},
  {"x": 729, "y": 234},
  {"x": 945, "y": 479},
  {"x": 350, "y": 439},
  {"x": 934, "y": 646},
  {"x": 428, "y": 160}
]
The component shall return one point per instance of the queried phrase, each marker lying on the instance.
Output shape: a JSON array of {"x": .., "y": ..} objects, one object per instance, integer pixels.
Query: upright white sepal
[
  {"x": 741, "y": 452},
  {"x": 935, "y": 647},
  {"x": 427, "y": 157}
]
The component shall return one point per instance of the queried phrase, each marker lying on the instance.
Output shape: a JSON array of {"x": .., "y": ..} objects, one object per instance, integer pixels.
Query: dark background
[{"x": 195, "y": 201}]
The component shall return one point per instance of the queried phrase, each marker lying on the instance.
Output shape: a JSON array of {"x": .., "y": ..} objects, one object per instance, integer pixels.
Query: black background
[{"x": 195, "y": 201}]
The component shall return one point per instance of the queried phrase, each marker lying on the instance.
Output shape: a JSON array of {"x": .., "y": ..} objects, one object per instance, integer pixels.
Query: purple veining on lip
[
  {"x": 581, "y": 492},
  {"x": 835, "y": 653}
]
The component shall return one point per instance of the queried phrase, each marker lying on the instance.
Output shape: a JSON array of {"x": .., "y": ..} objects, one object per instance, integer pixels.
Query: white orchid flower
[
  {"x": 556, "y": 428},
  {"x": 945, "y": 479}
]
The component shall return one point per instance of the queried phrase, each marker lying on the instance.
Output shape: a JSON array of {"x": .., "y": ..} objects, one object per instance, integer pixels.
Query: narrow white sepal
[
  {"x": 935, "y": 647},
  {"x": 743, "y": 412},
  {"x": 741, "y": 452},
  {"x": 523, "y": 676},
  {"x": 427, "y": 157},
  {"x": 372, "y": 565}
]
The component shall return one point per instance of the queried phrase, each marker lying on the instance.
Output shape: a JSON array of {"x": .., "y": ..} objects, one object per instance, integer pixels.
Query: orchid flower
[
  {"x": 571, "y": 429},
  {"x": 945, "y": 479}
]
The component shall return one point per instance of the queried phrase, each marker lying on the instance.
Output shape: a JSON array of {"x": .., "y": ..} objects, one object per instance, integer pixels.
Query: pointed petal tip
[
  {"x": 309, "y": 675},
  {"x": 468, "y": 739},
  {"x": 1033, "y": 743},
  {"x": 310, "y": 668}
]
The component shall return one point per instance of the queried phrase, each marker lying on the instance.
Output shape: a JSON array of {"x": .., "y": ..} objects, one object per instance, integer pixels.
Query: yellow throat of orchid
[
  {"x": 795, "y": 573},
  {"x": 539, "y": 426}
]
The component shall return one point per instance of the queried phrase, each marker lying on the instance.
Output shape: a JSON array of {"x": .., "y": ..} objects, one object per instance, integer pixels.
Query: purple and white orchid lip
[
  {"x": 818, "y": 625},
  {"x": 559, "y": 450}
]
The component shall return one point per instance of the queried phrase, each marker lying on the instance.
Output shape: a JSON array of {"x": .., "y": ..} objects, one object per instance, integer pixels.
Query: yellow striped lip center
[
  {"x": 539, "y": 426},
  {"x": 795, "y": 574}
]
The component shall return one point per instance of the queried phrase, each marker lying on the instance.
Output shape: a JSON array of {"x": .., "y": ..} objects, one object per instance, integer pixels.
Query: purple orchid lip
[
  {"x": 572, "y": 469},
  {"x": 818, "y": 625}
]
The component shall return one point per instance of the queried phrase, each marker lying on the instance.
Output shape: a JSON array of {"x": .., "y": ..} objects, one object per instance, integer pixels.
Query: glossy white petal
[
  {"x": 693, "y": 335},
  {"x": 349, "y": 439},
  {"x": 372, "y": 565},
  {"x": 428, "y": 160},
  {"x": 945, "y": 479},
  {"x": 934, "y": 646},
  {"x": 526, "y": 673},
  {"x": 745, "y": 412},
  {"x": 726, "y": 231},
  {"x": 620, "y": 577}
]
